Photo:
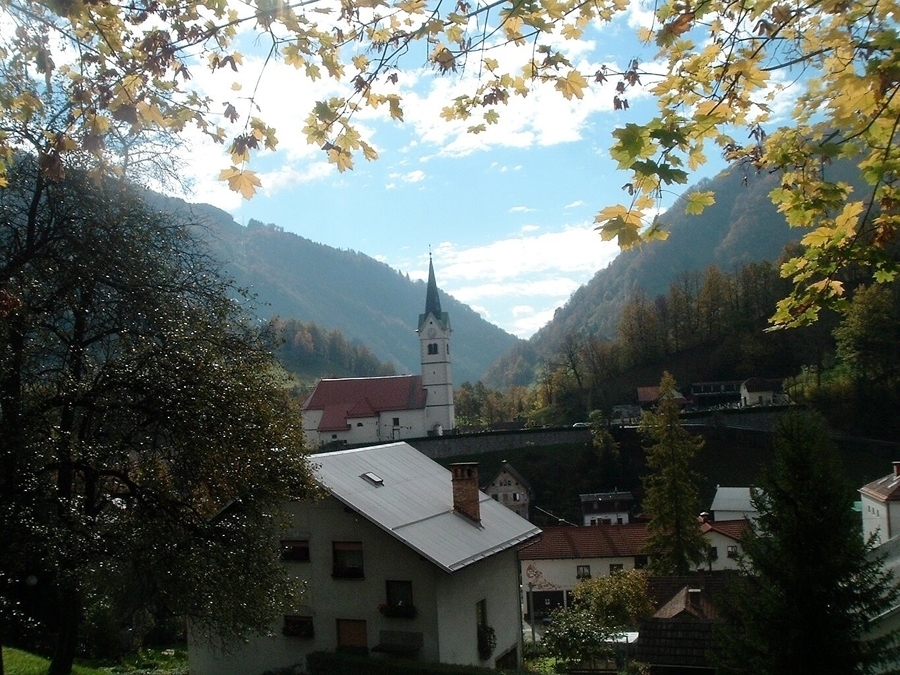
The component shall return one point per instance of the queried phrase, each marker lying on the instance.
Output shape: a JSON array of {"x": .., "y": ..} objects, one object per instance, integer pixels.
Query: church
[{"x": 362, "y": 410}]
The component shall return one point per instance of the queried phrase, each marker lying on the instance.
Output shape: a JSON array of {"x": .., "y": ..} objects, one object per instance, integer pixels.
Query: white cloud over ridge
[{"x": 518, "y": 282}]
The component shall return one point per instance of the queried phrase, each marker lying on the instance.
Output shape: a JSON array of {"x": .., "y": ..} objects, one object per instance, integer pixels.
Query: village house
[
  {"x": 732, "y": 503},
  {"x": 606, "y": 508},
  {"x": 565, "y": 555},
  {"x": 680, "y": 637},
  {"x": 402, "y": 558},
  {"x": 758, "y": 391},
  {"x": 881, "y": 506},
  {"x": 511, "y": 489},
  {"x": 367, "y": 410}
]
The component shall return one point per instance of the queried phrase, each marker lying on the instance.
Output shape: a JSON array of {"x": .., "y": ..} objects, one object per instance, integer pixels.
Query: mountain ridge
[
  {"x": 367, "y": 300},
  {"x": 742, "y": 226}
]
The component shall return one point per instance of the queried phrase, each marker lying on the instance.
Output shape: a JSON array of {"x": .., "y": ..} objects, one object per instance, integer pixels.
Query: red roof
[
  {"x": 886, "y": 489},
  {"x": 364, "y": 397},
  {"x": 596, "y": 541},
  {"x": 734, "y": 529}
]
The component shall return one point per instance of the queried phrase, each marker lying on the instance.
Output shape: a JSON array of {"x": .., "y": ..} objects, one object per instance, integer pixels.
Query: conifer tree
[
  {"x": 672, "y": 498},
  {"x": 809, "y": 585}
]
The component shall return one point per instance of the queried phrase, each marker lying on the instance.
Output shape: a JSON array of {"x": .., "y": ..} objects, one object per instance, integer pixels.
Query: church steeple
[
  {"x": 434, "y": 339},
  {"x": 433, "y": 303},
  {"x": 432, "y": 299}
]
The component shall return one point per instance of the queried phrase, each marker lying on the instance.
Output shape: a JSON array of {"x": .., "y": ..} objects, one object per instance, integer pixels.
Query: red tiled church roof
[
  {"x": 599, "y": 541},
  {"x": 364, "y": 397}
]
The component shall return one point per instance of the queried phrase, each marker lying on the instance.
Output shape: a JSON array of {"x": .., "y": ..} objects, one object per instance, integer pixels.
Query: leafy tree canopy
[
  {"x": 95, "y": 76},
  {"x": 601, "y": 610},
  {"x": 146, "y": 441}
]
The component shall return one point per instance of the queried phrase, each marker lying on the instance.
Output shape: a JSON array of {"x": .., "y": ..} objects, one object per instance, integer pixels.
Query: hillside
[
  {"x": 742, "y": 226},
  {"x": 369, "y": 302}
]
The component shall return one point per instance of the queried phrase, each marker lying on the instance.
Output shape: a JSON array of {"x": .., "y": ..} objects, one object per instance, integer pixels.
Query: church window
[
  {"x": 432, "y": 348},
  {"x": 448, "y": 349}
]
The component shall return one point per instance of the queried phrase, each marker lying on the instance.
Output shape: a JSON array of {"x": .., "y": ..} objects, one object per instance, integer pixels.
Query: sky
[{"x": 507, "y": 215}]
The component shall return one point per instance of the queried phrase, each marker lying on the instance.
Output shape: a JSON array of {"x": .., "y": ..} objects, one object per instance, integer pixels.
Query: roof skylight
[{"x": 374, "y": 479}]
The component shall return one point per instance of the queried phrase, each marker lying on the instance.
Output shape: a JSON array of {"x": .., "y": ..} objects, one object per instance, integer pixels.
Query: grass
[
  {"x": 145, "y": 662},
  {"x": 17, "y": 662}
]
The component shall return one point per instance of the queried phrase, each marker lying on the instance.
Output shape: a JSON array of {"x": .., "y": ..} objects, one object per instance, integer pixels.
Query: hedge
[{"x": 331, "y": 663}]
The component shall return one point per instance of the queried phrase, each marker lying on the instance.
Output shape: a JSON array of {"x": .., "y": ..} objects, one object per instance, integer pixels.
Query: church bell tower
[{"x": 437, "y": 378}]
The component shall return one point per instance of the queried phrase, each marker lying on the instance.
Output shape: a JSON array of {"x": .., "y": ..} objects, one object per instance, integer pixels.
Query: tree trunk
[{"x": 67, "y": 640}]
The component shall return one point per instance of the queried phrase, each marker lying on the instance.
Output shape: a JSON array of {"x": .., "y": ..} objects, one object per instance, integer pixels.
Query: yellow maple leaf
[
  {"x": 241, "y": 180},
  {"x": 571, "y": 85},
  {"x": 342, "y": 159}
]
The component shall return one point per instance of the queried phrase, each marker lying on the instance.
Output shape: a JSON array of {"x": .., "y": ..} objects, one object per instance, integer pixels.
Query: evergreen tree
[
  {"x": 809, "y": 584},
  {"x": 672, "y": 496}
]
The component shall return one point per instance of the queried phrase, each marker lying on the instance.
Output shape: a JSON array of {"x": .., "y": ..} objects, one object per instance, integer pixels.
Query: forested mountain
[
  {"x": 741, "y": 227},
  {"x": 368, "y": 301}
]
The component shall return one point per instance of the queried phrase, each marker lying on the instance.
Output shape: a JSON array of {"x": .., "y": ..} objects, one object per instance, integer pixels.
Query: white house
[
  {"x": 403, "y": 557},
  {"x": 606, "y": 508},
  {"x": 732, "y": 503},
  {"x": 881, "y": 506},
  {"x": 359, "y": 410},
  {"x": 563, "y": 556},
  {"x": 757, "y": 391},
  {"x": 723, "y": 542}
]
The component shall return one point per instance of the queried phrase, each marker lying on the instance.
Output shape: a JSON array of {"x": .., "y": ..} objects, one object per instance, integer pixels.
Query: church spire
[{"x": 432, "y": 300}]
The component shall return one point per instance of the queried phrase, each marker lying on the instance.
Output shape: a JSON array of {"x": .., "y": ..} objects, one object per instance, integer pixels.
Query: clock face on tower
[{"x": 432, "y": 332}]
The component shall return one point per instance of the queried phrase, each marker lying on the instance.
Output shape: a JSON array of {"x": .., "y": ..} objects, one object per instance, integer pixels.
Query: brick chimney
[{"x": 465, "y": 490}]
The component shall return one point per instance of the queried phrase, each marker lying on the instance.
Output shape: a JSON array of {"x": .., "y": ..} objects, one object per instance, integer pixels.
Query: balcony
[{"x": 399, "y": 611}]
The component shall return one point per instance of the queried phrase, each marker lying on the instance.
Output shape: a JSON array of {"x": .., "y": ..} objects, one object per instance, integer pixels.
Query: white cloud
[
  {"x": 411, "y": 177},
  {"x": 521, "y": 209},
  {"x": 526, "y": 325},
  {"x": 518, "y": 282},
  {"x": 574, "y": 204},
  {"x": 529, "y": 228}
]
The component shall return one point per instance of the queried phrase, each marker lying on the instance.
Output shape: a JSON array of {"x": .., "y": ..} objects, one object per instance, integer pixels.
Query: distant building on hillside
[
  {"x": 709, "y": 394},
  {"x": 648, "y": 397},
  {"x": 759, "y": 391},
  {"x": 606, "y": 508},
  {"x": 364, "y": 410},
  {"x": 511, "y": 489}
]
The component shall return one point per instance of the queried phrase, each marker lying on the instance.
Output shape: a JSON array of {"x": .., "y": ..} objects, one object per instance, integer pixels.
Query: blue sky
[{"x": 508, "y": 214}]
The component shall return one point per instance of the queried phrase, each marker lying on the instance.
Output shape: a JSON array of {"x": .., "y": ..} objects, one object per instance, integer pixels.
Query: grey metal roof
[
  {"x": 414, "y": 503},
  {"x": 732, "y": 499}
]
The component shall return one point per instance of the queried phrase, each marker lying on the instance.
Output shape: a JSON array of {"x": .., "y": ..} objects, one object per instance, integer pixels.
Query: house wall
[
  {"x": 327, "y": 599},
  {"x": 362, "y": 429},
  {"x": 373, "y": 430},
  {"x": 560, "y": 574},
  {"x": 311, "y": 419},
  {"x": 750, "y": 398},
  {"x": 507, "y": 490},
  {"x": 607, "y": 518},
  {"x": 722, "y": 514},
  {"x": 879, "y": 518},
  {"x": 412, "y": 425},
  {"x": 494, "y": 580},
  {"x": 721, "y": 544}
]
